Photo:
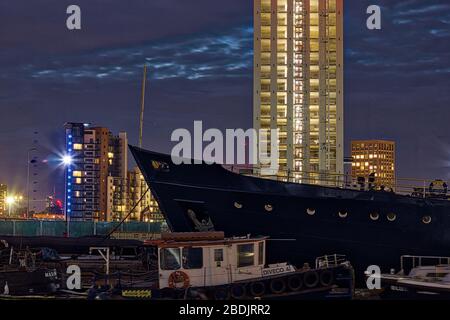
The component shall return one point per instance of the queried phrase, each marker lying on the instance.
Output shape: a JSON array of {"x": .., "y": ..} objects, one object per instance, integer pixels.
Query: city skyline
[{"x": 395, "y": 88}]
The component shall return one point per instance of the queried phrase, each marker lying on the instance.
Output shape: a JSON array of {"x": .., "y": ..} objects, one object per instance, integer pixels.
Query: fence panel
[
  {"x": 75, "y": 228},
  {"x": 103, "y": 228},
  {"x": 53, "y": 228},
  {"x": 27, "y": 228},
  {"x": 81, "y": 228},
  {"x": 7, "y": 228}
]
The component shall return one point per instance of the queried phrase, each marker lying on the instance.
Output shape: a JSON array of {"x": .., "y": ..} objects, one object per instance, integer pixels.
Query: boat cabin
[{"x": 203, "y": 259}]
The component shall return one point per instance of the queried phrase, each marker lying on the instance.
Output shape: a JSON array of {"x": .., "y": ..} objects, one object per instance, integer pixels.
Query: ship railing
[
  {"x": 328, "y": 261},
  {"x": 421, "y": 261},
  {"x": 422, "y": 188}
]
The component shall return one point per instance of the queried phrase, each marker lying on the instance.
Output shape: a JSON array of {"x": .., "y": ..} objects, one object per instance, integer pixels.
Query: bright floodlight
[
  {"x": 10, "y": 200},
  {"x": 67, "y": 160}
]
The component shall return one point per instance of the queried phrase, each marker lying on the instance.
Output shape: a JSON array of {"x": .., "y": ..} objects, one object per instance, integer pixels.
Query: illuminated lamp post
[
  {"x": 67, "y": 161},
  {"x": 10, "y": 200},
  {"x": 28, "y": 180}
]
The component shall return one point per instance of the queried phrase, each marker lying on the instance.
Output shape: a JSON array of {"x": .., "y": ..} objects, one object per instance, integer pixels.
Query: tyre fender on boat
[
  {"x": 257, "y": 289},
  {"x": 326, "y": 278},
  {"x": 277, "y": 286},
  {"x": 238, "y": 291},
  {"x": 311, "y": 279},
  {"x": 221, "y": 293},
  {"x": 295, "y": 283}
]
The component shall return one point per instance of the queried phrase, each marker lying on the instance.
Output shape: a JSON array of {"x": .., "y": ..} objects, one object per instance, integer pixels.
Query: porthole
[
  {"x": 343, "y": 214},
  {"x": 268, "y": 207},
  {"x": 391, "y": 217},
  {"x": 426, "y": 219},
  {"x": 238, "y": 205},
  {"x": 374, "y": 216},
  {"x": 311, "y": 211}
]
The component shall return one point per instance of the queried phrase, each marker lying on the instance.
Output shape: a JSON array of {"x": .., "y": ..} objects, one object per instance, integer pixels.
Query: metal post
[
  {"x": 28, "y": 181},
  {"x": 65, "y": 202},
  {"x": 424, "y": 189},
  {"x": 141, "y": 117},
  {"x": 107, "y": 263},
  {"x": 28, "y": 184},
  {"x": 100, "y": 251}
]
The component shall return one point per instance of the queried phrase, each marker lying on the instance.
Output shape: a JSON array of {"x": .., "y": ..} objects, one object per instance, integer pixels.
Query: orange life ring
[{"x": 179, "y": 277}]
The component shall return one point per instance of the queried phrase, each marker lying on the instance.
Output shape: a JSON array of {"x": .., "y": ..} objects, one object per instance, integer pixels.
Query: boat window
[
  {"x": 246, "y": 255},
  {"x": 261, "y": 253},
  {"x": 192, "y": 258},
  {"x": 170, "y": 259},
  {"x": 218, "y": 255}
]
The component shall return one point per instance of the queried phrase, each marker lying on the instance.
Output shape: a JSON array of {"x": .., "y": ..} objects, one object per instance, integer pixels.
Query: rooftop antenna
[{"x": 141, "y": 119}]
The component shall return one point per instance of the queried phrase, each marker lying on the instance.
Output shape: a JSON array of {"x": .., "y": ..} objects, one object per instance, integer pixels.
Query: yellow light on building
[
  {"x": 298, "y": 82},
  {"x": 381, "y": 161}
]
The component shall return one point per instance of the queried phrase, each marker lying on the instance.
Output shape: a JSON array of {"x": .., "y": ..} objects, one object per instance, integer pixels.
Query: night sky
[{"x": 200, "y": 54}]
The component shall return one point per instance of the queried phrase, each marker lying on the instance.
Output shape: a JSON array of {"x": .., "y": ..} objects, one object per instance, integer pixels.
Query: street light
[
  {"x": 66, "y": 160},
  {"x": 10, "y": 200},
  {"x": 28, "y": 180}
]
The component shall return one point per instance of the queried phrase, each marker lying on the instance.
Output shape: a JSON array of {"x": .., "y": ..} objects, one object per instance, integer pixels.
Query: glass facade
[{"x": 298, "y": 85}]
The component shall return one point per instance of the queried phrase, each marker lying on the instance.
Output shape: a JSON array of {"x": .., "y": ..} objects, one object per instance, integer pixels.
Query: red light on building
[{"x": 58, "y": 203}]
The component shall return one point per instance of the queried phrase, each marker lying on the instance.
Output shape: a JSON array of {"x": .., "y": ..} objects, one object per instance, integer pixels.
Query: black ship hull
[
  {"x": 23, "y": 282},
  {"x": 303, "y": 221}
]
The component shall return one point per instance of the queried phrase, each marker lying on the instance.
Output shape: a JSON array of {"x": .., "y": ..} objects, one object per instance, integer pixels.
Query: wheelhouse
[{"x": 207, "y": 259}]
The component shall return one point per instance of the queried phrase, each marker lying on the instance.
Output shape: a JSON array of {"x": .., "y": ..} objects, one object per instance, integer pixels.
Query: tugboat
[
  {"x": 208, "y": 266},
  {"x": 420, "y": 277},
  {"x": 20, "y": 276},
  {"x": 369, "y": 226}
]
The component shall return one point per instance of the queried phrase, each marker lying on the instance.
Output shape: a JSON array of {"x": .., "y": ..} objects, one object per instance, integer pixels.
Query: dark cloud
[
  {"x": 208, "y": 55},
  {"x": 397, "y": 81}
]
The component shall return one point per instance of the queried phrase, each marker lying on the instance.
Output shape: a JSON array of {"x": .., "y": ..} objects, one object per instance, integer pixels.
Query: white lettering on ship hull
[{"x": 277, "y": 270}]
